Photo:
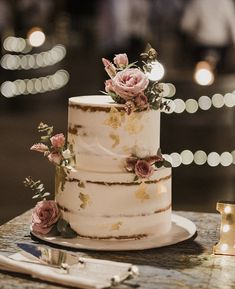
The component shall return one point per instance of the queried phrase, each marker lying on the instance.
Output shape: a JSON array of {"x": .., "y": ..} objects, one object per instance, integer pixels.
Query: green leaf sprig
[{"x": 37, "y": 187}]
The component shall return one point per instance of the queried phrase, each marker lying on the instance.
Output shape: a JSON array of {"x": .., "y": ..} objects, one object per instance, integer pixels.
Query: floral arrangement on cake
[
  {"x": 130, "y": 84},
  {"x": 143, "y": 168},
  {"x": 46, "y": 217}
]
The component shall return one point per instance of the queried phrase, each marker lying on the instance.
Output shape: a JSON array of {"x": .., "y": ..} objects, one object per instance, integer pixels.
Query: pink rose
[
  {"x": 129, "y": 83},
  {"x": 58, "y": 140},
  {"x": 143, "y": 169},
  {"x": 130, "y": 164},
  {"x": 39, "y": 147},
  {"x": 109, "y": 85},
  {"x": 141, "y": 101},
  {"x": 121, "y": 60},
  {"x": 45, "y": 214},
  {"x": 109, "y": 67},
  {"x": 55, "y": 158}
]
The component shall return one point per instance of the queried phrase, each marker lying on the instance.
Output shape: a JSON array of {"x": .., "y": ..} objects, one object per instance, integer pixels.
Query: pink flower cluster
[
  {"x": 143, "y": 168},
  {"x": 127, "y": 83},
  {"x": 44, "y": 215},
  {"x": 54, "y": 152}
]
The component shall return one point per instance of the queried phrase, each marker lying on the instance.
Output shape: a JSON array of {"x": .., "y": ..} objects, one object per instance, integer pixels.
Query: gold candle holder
[{"x": 226, "y": 244}]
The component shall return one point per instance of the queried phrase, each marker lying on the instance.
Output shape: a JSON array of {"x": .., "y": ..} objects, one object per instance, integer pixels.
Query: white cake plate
[{"x": 182, "y": 229}]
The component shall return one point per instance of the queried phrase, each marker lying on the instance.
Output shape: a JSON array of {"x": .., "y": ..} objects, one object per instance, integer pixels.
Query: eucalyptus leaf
[
  {"x": 159, "y": 164},
  {"x": 65, "y": 230},
  {"x": 46, "y": 195},
  {"x": 159, "y": 152},
  {"x": 167, "y": 164},
  {"x": 136, "y": 178},
  {"x": 61, "y": 224}
]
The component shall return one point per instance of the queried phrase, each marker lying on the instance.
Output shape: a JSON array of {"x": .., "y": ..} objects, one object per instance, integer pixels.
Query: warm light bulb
[
  {"x": 224, "y": 247},
  {"x": 227, "y": 209},
  {"x": 204, "y": 74},
  {"x": 225, "y": 228},
  {"x": 36, "y": 37},
  {"x": 157, "y": 72}
]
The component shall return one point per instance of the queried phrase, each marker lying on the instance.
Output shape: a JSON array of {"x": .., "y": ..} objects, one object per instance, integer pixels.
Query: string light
[
  {"x": 200, "y": 158},
  {"x": 34, "y": 61},
  {"x": 16, "y": 44},
  {"x": 204, "y": 103},
  {"x": 35, "y": 85}
]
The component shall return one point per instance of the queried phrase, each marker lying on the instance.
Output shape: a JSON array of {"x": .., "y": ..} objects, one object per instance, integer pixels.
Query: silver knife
[
  {"x": 51, "y": 256},
  {"x": 93, "y": 269}
]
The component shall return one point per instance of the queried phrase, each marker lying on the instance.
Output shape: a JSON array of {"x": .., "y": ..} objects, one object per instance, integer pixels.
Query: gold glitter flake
[
  {"x": 85, "y": 199},
  {"x": 115, "y": 138},
  {"x": 116, "y": 226},
  {"x": 115, "y": 118},
  {"x": 133, "y": 125},
  {"x": 141, "y": 193}
]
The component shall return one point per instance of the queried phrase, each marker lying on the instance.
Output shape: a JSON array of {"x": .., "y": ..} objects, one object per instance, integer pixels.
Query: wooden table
[{"x": 189, "y": 264}]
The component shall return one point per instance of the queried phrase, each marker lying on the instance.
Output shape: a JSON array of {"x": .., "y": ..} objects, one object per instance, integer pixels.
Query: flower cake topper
[{"x": 132, "y": 85}]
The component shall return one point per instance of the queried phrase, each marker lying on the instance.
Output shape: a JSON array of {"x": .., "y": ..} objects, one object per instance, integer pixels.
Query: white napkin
[{"x": 93, "y": 274}]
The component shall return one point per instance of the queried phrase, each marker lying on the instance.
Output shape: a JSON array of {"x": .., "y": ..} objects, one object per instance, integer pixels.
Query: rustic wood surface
[{"x": 189, "y": 264}]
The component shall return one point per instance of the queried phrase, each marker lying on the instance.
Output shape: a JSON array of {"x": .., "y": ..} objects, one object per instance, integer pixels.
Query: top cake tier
[{"x": 103, "y": 135}]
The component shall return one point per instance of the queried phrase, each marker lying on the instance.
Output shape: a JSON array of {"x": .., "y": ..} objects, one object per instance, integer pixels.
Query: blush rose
[
  {"x": 39, "y": 147},
  {"x": 121, "y": 60},
  {"x": 143, "y": 169},
  {"x": 45, "y": 214},
  {"x": 55, "y": 158},
  {"x": 58, "y": 140},
  {"x": 129, "y": 83}
]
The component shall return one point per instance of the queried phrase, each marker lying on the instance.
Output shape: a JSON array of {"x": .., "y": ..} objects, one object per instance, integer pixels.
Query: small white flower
[
  {"x": 141, "y": 151},
  {"x": 66, "y": 154}
]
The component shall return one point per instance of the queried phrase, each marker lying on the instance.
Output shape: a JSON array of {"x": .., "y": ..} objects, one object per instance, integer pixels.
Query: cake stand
[{"x": 181, "y": 230}]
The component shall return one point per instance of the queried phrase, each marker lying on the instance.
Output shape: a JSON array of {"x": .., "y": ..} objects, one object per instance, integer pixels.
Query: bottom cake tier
[{"x": 109, "y": 205}]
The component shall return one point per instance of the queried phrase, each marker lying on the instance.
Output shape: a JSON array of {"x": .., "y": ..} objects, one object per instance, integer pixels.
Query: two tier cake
[
  {"x": 100, "y": 198},
  {"x": 112, "y": 182}
]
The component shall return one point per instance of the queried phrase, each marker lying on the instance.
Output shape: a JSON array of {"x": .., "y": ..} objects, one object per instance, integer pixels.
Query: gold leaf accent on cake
[
  {"x": 133, "y": 126},
  {"x": 85, "y": 199},
  {"x": 74, "y": 129},
  {"x": 81, "y": 184},
  {"x": 126, "y": 149},
  {"x": 116, "y": 226},
  {"x": 141, "y": 193},
  {"x": 115, "y": 118},
  {"x": 161, "y": 188},
  {"x": 115, "y": 138}
]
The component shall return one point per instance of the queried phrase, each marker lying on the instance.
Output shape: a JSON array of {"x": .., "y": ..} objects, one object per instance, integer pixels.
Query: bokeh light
[
  {"x": 200, "y": 157},
  {"x": 157, "y": 72},
  {"x": 204, "y": 74},
  {"x": 204, "y": 102},
  {"x": 36, "y": 36},
  {"x": 191, "y": 105}
]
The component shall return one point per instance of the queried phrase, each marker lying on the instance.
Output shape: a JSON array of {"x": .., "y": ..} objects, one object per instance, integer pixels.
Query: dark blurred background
[{"x": 51, "y": 50}]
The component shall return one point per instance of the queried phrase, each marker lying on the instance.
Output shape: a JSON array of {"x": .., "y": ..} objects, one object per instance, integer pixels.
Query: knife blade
[{"x": 51, "y": 256}]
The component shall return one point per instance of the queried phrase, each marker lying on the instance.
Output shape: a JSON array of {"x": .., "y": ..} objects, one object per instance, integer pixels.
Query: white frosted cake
[{"x": 101, "y": 196}]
